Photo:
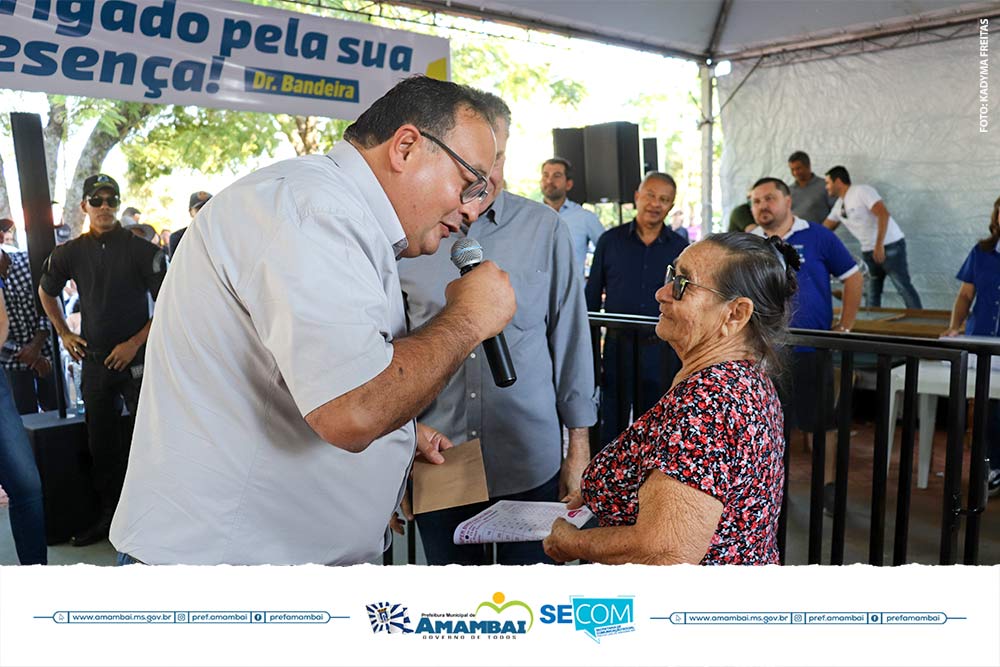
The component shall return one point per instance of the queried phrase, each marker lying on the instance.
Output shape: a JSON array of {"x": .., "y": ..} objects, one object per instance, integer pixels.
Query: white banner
[
  {"x": 210, "y": 53},
  {"x": 538, "y": 615}
]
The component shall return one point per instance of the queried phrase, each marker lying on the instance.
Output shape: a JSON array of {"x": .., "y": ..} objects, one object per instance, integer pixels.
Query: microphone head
[{"x": 466, "y": 252}]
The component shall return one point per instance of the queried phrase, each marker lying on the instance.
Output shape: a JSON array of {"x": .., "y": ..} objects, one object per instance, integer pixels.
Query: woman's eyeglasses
[
  {"x": 681, "y": 284},
  {"x": 476, "y": 191},
  {"x": 113, "y": 201}
]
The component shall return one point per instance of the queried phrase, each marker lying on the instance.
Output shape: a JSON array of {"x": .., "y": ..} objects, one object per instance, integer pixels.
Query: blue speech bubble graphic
[{"x": 600, "y": 617}]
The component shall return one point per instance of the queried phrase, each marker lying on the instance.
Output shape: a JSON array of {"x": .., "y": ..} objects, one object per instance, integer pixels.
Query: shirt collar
[
  {"x": 350, "y": 160},
  {"x": 665, "y": 233},
  {"x": 568, "y": 204},
  {"x": 96, "y": 235},
  {"x": 798, "y": 224},
  {"x": 494, "y": 213}
]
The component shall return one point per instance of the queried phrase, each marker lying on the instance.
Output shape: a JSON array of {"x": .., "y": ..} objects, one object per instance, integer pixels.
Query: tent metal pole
[{"x": 707, "y": 74}]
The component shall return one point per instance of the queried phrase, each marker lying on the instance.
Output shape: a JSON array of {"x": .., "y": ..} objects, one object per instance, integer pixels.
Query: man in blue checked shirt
[
  {"x": 26, "y": 355},
  {"x": 520, "y": 426},
  {"x": 18, "y": 474}
]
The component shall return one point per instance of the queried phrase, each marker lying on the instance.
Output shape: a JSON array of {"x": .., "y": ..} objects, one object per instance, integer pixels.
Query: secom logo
[{"x": 598, "y": 617}]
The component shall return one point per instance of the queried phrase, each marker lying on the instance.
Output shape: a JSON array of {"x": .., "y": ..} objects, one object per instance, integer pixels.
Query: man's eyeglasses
[
  {"x": 843, "y": 210},
  {"x": 476, "y": 191},
  {"x": 113, "y": 201},
  {"x": 681, "y": 284}
]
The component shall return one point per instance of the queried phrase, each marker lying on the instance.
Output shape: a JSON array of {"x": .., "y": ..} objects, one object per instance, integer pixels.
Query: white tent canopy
[{"x": 717, "y": 29}]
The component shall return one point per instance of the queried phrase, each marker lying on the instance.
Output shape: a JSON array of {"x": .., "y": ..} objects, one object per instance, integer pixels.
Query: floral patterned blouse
[{"x": 720, "y": 430}]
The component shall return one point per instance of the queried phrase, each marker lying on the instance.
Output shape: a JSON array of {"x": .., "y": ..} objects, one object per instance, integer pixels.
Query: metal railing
[{"x": 886, "y": 349}]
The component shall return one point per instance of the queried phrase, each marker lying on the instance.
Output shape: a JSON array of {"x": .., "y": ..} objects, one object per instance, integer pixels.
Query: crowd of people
[{"x": 278, "y": 397}]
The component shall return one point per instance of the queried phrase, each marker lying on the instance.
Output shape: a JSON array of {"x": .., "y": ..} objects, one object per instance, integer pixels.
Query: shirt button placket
[{"x": 474, "y": 390}]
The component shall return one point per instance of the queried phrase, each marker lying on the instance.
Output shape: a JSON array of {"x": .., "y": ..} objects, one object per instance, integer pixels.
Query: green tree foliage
[
  {"x": 491, "y": 66},
  {"x": 673, "y": 115},
  {"x": 215, "y": 141},
  {"x": 206, "y": 140}
]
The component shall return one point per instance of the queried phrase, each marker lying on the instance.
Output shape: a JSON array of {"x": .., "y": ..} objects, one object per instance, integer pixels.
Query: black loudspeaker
[
  {"x": 568, "y": 143},
  {"x": 36, "y": 200},
  {"x": 64, "y": 464},
  {"x": 29, "y": 151},
  {"x": 650, "y": 162},
  {"x": 612, "y": 155}
]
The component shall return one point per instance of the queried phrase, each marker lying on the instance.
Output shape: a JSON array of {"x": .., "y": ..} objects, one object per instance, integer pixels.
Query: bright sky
[{"x": 611, "y": 75}]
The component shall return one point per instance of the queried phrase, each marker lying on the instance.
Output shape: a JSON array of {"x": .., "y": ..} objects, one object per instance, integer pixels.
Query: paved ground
[{"x": 925, "y": 516}]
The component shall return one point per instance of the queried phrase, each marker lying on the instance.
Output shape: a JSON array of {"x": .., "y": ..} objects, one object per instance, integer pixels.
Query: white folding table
[{"x": 933, "y": 378}]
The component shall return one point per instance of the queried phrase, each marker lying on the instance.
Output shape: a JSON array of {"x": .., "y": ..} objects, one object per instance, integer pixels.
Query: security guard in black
[{"x": 114, "y": 272}]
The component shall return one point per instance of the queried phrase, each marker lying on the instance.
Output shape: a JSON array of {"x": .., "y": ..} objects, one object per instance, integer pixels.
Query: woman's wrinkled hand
[{"x": 557, "y": 543}]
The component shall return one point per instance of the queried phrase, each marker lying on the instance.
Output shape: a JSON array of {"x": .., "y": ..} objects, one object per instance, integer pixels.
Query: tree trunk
[
  {"x": 99, "y": 144},
  {"x": 53, "y": 135},
  {"x": 4, "y": 201},
  {"x": 305, "y": 136}
]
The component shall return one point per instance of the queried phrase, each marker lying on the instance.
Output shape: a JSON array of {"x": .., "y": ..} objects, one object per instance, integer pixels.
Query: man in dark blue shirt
[{"x": 629, "y": 265}]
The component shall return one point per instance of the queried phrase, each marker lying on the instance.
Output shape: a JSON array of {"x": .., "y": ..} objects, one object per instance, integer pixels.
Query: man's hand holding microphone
[
  {"x": 480, "y": 304},
  {"x": 467, "y": 255},
  {"x": 483, "y": 300}
]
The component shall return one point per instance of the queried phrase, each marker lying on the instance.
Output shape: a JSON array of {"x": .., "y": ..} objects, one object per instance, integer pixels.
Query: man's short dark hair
[
  {"x": 494, "y": 106},
  {"x": 429, "y": 104},
  {"x": 660, "y": 176},
  {"x": 566, "y": 165},
  {"x": 800, "y": 156},
  {"x": 131, "y": 211},
  {"x": 778, "y": 183},
  {"x": 839, "y": 173}
]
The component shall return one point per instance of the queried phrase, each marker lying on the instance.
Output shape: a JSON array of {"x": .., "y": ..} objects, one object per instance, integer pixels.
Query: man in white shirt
[
  {"x": 584, "y": 226},
  {"x": 269, "y": 347},
  {"x": 861, "y": 209}
]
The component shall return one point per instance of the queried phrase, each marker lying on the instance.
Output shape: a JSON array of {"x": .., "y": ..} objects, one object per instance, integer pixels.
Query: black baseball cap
[
  {"x": 98, "y": 182},
  {"x": 198, "y": 199}
]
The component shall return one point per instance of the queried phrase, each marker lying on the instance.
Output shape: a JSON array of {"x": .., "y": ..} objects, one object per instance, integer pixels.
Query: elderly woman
[
  {"x": 977, "y": 313},
  {"x": 698, "y": 478}
]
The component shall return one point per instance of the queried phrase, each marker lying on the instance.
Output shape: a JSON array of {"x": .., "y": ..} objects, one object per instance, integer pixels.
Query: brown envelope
[{"x": 460, "y": 480}]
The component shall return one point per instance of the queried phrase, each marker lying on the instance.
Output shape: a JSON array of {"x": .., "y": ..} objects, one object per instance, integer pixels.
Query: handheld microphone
[{"x": 466, "y": 255}]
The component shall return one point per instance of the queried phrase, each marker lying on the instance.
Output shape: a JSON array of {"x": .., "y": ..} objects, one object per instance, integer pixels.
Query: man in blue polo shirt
[
  {"x": 629, "y": 265},
  {"x": 584, "y": 227},
  {"x": 823, "y": 255}
]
